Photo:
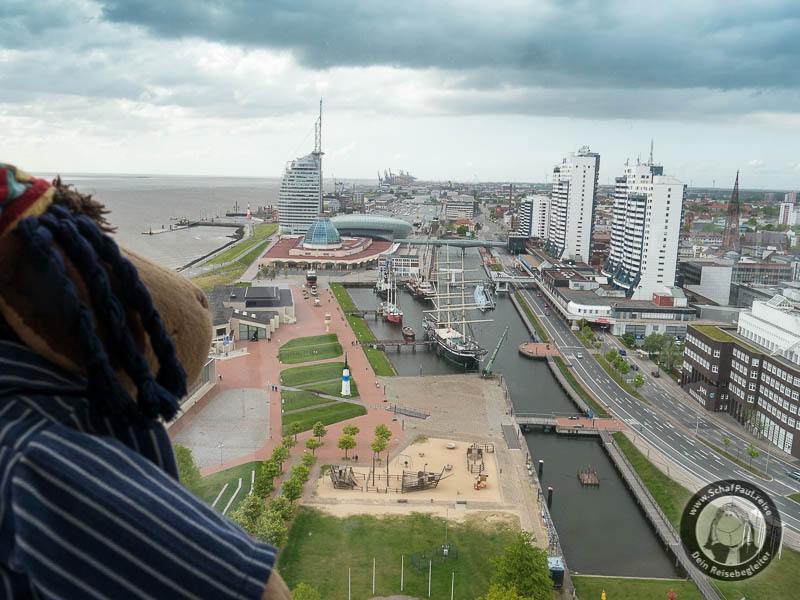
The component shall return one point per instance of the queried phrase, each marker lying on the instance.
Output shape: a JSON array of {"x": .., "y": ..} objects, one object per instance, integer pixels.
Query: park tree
[
  {"x": 246, "y": 515},
  {"x": 292, "y": 489},
  {"x": 303, "y": 591},
  {"x": 282, "y": 507},
  {"x": 294, "y": 429},
  {"x": 279, "y": 455},
  {"x": 523, "y": 566},
  {"x": 611, "y": 356},
  {"x": 638, "y": 380},
  {"x": 462, "y": 230},
  {"x": 500, "y": 592},
  {"x": 653, "y": 343},
  {"x": 307, "y": 459},
  {"x": 378, "y": 445},
  {"x": 383, "y": 431},
  {"x": 312, "y": 444},
  {"x": 351, "y": 430},
  {"x": 629, "y": 340},
  {"x": 271, "y": 528},
  {"x": 301, "y": 472},
  {"x": 319, "y": 431},
  {"x": 187, "y": 469},
  {"x": 288, "y": 441},
  {"x": 671, "y": 353},
  {"x": 623, "y": 366},
  {"x": 346, "y": 443},
  {"x": 265, "y": 476}
]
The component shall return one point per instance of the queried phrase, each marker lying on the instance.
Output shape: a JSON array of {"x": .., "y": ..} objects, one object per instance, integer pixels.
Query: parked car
[
  {"x": 794, "y": 475},
  {"x": 574, "y": 418}
]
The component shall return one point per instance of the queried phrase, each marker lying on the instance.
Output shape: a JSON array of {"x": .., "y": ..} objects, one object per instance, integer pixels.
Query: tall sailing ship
[
  {"x": 447, "y": 324},
  {"x": 390, "y": 309}
]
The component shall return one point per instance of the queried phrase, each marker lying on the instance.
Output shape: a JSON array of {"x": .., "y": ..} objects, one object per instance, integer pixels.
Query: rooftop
[{"x": 715, "y": 333}]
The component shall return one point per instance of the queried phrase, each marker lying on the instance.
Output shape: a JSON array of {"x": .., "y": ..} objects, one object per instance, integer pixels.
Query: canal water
[{"x": 602, "y": 530}]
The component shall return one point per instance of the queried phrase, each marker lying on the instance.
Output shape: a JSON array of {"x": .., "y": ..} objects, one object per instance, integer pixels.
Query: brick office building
[{"x": 751, "y": 372}]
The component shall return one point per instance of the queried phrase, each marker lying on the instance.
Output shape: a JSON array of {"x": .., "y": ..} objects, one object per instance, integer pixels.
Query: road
[{"x": 668, "y": 423}]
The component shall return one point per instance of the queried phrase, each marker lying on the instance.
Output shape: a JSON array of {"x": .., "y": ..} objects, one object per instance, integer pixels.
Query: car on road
[
  {"x": 794, "y": 475},
  {"x": 580, "y": 355},
  {"x": 656, "y": 373},
  {"x": 623, "y": 352}
]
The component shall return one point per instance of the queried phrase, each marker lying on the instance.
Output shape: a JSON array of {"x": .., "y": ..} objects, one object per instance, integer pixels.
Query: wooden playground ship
[{"x": 345, "y": 478}]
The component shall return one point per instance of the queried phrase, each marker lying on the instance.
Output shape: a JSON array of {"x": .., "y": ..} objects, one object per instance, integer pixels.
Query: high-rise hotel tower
[{"x": 300, "y": 196}]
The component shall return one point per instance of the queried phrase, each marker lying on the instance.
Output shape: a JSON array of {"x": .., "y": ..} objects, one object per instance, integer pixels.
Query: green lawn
[
  {"x": 596, "y": 407},
  {"x": 541, "y": 333},
  {"x": 332, "y": 388},
  {"x": 310, "y": 340},
  {"x": 615, "y": 375},
  {"x": 211, "y": 485},
  {"x": 670, "y": 495},
  {"x": 377, "y": 358},
  {"x": 497, "y": 267},
  {"x": 230, "y": 273},
  {"x": 294, "y": 400},
  {"x": 345, "y": 301},
  {"x": 260, "y": 233},
  {"x": 776, "y": 581},
  {"x": 296, "y": 376},
  {"x": 321, "y": 549},
  {"x": 795, "y": 497},
  {"x": 327, "y": 414},
  {"x": 629, "y": 588},
  {"x": 315, "y": 347}
]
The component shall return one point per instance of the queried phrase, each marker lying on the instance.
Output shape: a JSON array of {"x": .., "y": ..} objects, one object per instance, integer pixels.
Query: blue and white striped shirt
[{"x": 92, "y": 508}]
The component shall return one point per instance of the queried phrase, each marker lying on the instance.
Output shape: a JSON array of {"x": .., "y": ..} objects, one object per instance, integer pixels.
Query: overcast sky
[{"x": 467, "y": 90}]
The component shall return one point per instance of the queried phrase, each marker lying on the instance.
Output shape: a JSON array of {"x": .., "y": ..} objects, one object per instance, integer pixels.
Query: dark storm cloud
[{"x": 726, "y": 45}]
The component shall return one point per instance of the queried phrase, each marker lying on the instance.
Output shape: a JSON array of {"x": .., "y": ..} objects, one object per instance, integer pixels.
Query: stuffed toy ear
[
  {"x": 40, "y": 324},
  {"x": 184, "y": 311}
]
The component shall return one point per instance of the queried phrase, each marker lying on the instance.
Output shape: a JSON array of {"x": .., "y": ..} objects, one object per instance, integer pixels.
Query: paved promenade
[{"x": 260, "y": 369}]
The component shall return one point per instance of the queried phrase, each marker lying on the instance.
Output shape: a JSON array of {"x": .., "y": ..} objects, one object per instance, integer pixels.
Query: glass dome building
[{"x": 322, "y": 235}]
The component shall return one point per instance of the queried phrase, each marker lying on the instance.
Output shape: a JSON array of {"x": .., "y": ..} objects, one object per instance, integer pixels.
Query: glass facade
[
  {"x": 246, "y": 332},
  {"x": 322, "y": 233}
]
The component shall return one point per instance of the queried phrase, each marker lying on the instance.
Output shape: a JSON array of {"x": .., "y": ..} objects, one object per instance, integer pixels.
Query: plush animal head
[{"x": 138, "y": 332}]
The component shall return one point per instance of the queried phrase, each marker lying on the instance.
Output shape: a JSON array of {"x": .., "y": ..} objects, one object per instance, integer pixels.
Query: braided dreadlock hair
[{"x": 117, "y": 296}]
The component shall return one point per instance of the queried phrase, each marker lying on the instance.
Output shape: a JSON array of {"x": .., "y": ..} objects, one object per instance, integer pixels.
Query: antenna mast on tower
[
  {"x": 651, "y": 151},
  {"x": 318, "y": 132}
]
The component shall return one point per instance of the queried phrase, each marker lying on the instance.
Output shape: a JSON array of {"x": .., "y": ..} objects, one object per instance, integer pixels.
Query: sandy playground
[{"x": 448, "y": 457}]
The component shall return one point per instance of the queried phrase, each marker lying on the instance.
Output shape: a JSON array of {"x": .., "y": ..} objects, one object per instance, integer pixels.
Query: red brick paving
[{"x": 260, "y": 368}]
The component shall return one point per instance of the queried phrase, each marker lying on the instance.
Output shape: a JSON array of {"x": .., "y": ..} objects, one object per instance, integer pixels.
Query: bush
[{"x": 187, "y": 469}]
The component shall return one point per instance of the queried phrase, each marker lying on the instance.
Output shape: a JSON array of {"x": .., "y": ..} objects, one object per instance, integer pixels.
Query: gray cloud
[{"x": 570, "y": 43}]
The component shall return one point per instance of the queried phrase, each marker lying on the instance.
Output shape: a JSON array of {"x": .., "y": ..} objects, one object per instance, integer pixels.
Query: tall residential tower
[
  {"x": 569, "y": 232},
  {"x": 534, "y": 216},
  {"x": 645, "y": 228},
  {"x": 300, "y": 196}
]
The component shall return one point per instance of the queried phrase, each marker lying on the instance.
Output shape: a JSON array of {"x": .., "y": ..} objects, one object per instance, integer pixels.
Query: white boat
[{"x": 483, "y": 297}]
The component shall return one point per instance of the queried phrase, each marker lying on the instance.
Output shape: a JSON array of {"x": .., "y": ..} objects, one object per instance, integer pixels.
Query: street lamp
[{"x": 220, "y": 446}]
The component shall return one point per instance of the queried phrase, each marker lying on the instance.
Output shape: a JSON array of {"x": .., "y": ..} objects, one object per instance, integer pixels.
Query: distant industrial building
[
  {"x": 460, "y": 206},
  {"x": 712, "y": 279},
  {"x": 751, "y": 372},
  {"x": 645, "y": 230},
  {"x": 569, "y": 232}
]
